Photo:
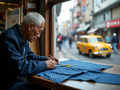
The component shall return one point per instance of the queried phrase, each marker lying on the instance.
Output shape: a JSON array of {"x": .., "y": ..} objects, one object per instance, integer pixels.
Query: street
[{"x": 72, "y": 53}]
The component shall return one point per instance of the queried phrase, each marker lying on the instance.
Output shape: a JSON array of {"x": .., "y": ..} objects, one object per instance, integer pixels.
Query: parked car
[{"x": 93, "y": 45}]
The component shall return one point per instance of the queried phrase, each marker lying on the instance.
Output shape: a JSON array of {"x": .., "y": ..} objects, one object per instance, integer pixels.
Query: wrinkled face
[{"x": 34, "y": 33}]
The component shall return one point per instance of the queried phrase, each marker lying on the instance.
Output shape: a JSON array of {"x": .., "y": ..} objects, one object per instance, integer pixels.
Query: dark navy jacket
[
  {"x": 115, "y": 39},
  {"x": 14, "y": 61},
  {"x": 70, "y": 40}
]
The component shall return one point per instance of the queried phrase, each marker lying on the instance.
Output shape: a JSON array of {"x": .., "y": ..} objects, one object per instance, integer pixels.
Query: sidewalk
[{"x": 59, "y": 54}]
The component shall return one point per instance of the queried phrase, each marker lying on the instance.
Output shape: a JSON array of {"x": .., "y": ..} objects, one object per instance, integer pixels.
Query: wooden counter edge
[{"x": 48, "y": 83}]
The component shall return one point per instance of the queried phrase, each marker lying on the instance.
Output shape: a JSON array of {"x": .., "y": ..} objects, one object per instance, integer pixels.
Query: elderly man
[{"x": 16, "y": 58}]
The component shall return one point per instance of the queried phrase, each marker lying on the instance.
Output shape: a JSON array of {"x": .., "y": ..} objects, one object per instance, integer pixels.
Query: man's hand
[
  {"x": 51, "y": 64},
  {"x": 54, "y": 59}
]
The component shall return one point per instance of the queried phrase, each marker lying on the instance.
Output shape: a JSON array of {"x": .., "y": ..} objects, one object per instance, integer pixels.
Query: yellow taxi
[{"x": 93, "y": 45}]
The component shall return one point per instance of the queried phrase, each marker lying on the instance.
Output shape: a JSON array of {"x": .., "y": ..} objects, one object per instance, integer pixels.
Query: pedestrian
[
  {"x": 115, "y": 43},
  {"x": 70, "y": 41},
  {"x": 64, "y": 40},
  {"x": 79, "y": 36},
  {"x": 76, "y": 37},
  {"x": 108, "y": 39},
  {"x": 59, "y": 41},
  {"x": 16, "y": 58}
]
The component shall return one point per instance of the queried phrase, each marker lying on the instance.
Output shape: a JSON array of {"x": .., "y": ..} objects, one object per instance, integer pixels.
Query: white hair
[
  {"x": 114, "y": 34},
  {"x": 33, "y": 17}
]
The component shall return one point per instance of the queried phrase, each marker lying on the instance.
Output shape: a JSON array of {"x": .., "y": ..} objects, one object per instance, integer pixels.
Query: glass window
[
  {"x": 81, "y": 40},
  {"x": 103, "y": 1},
  {"x": 95, "y": 20},
  {"x": 86, "y": 40},
  {"x": 95, "y": 39},
  {"x": 98, "y": 19},
  {"x": 101, "y": 18},
  {"x": 99, "y": 39},
  {"x": 106, "y": 16},
  {"x": 97, "y": 2}
]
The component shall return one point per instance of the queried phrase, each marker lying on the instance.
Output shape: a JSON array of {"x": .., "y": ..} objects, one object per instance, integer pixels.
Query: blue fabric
[
  {"x": 85, "y": 65},
  {"x": 60, "y": 74},
  {"x": 100, "y": 77},
  {"x": 83, "y": 71}
]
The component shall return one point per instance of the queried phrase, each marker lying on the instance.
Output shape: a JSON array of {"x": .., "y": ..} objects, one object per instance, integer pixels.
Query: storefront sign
[
  {"x": 83, "y": 4},
  {"x": 81, "y": 25},
  {"x": 112, "y": 23}
]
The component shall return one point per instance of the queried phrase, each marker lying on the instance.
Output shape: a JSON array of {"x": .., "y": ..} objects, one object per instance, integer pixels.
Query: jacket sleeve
[
  {"x": 17, "y": 63},
  {"x": 32, "y": 56}
]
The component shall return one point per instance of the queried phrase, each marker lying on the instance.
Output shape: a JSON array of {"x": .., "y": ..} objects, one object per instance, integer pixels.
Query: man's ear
[{"x": 30, "y": 26}]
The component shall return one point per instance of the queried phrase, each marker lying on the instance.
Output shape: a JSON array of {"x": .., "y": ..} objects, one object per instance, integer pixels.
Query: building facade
[
  {"x": 107, "y": 12},
  {"x": 82, "y": 16}
]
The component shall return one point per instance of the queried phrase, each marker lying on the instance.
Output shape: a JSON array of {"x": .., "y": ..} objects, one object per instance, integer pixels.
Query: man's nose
[{"x": 38, "y": 35}]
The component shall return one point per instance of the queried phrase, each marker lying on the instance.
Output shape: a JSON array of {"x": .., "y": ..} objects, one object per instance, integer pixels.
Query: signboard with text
[
  {"x": 83, "y": 4},
  {"x": 12, "y": 16},
  {"x": 112, "y": 23}
]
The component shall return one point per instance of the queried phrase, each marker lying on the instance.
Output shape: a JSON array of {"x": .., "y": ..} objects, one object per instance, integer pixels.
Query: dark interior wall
[{"x": 41, "y": 11}]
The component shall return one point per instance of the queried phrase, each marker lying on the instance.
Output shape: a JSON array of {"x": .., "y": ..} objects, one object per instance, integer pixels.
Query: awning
[
  {"x": 83, "y": 29},
  {"x": 92, "y": 31}
]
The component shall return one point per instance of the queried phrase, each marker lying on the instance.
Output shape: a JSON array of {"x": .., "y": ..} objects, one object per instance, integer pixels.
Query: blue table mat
[
  {"x": 83, "y": 71},
  {"x": 99, "y": 77}
]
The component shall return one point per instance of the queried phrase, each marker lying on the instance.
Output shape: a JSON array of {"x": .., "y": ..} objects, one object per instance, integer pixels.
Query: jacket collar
[{"x": 19, "y": 34}]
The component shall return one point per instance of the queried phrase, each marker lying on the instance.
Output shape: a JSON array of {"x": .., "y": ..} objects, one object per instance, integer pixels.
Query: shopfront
[{"x": 114, "y": 25}]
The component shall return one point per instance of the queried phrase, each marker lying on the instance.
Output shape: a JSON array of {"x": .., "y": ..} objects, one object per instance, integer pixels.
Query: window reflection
[{"x": 95, "y": 39}]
